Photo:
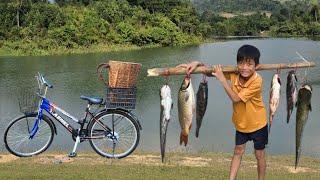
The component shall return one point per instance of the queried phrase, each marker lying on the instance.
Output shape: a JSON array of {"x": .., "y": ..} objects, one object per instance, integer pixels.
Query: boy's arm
[
  {"x": 221, "y": 77},
  {"x": 227, "y": 75}
]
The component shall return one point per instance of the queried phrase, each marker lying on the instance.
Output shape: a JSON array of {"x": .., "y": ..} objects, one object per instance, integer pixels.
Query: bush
[
  {"x": 64, "y": 36},
  {"x": 45, "y": 15},
  {"x": 126, "y": 31}
]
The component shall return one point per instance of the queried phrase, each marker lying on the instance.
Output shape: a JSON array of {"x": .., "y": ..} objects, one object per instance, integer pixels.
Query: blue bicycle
[{"x": 113, "y": 132}]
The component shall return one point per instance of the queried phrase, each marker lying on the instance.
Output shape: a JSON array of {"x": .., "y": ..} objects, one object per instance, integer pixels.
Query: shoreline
[
  {"x": 98, "y": 48},
  {"x": 104, "y": 48}
]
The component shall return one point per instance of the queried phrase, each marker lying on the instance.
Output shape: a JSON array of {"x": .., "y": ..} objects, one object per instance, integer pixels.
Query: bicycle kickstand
[{"x": 74, "y": 153}]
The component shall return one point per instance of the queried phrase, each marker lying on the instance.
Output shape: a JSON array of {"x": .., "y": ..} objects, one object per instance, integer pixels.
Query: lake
[{"x": 75, "y": 75}]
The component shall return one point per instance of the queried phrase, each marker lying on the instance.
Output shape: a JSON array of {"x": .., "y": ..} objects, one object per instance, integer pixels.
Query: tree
[{"x": 315, "y": 9}]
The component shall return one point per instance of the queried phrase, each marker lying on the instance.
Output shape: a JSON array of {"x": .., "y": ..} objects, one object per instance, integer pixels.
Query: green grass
[
  {"x": 143, "y": 165},
  {"x": 21, "y": 48},
  {"x": 24, "y": 50}
]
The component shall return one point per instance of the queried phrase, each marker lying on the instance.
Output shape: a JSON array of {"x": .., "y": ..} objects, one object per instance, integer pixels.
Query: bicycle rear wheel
[
  {"x": 115, "y": 134},
  {"x": 17, "y": 136}
]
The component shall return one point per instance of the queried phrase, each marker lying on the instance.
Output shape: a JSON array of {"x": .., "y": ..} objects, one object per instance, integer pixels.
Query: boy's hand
[
  {"x": 190, "y": 66},
  {"x": 218, "y": 73}
]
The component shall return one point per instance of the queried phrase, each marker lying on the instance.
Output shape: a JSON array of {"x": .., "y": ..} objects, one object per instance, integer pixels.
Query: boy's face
[{"x": 246, "y": 67}]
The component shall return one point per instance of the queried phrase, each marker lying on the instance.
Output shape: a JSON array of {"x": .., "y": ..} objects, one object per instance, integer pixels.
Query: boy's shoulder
[
  {"x": 259, "y": 77},
  {"x": 256, "y": 79}
]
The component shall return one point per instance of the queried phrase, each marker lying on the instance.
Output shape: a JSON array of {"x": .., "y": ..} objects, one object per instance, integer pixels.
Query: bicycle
[{"x": 112, "y": 132}]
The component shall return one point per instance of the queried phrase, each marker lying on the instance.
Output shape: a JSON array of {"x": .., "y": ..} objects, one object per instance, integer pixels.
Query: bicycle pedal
[{"x": 72, "y": 154}]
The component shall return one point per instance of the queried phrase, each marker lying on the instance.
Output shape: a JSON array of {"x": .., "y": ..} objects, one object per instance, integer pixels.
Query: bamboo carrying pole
[{"x": 226, "y": 68}]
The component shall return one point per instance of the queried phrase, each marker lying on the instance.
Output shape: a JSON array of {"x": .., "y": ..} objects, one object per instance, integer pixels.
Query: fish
[
  {"x": 201, "y": 106},
  {"x": 303, "y": 107},
  {"x": 274, "y": 97},
  {"x": 166, "y": 105},
  {"x": 186, "y": 109},
  {"x": 291, "y": 92}
]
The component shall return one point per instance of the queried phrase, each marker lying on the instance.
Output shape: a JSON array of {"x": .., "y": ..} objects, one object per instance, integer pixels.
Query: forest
[{"x": 38, "y": 26}]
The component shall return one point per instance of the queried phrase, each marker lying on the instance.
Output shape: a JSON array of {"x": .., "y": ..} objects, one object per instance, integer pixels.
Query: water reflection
[{"x": 75, "y": 75}]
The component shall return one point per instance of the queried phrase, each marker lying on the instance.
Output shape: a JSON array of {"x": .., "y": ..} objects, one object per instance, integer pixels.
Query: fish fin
[
  {"x": 296, "y": 77},
  {"x": 279, "y": 81},
  {"x": 184, "y": 139},
  {"x": 186, "y": 97},
  {"x": 171, "y": 105},
  {"x": 309, "y": 106}
]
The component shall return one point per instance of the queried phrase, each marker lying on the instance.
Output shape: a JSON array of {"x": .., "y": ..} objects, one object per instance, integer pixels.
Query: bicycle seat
[{"x": 92, "y": 100}]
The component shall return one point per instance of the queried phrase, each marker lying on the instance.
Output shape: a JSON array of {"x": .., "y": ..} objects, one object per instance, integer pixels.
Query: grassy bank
[
  {"x": 29, "y": 51},
  {"x": 148, "y": 166},
  {"x": 21, "y": 49}
]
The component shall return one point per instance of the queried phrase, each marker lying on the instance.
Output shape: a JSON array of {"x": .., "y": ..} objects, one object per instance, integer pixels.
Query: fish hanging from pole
[
  {"x": 186, "y": 108},
  {"x": 202, "y": 101},
  {"x": 165, "y": 116},
  {"x": 303, "y": 108},
  {"x": 291, "y": 92},
  {"x": 274, "y": 97}
]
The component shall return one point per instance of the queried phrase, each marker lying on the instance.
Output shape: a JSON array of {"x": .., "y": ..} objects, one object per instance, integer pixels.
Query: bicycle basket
[
  {"x": 121, "y": 74},
  {"x": 121, "y": 97},
  {"x": 28, "y": 101}
]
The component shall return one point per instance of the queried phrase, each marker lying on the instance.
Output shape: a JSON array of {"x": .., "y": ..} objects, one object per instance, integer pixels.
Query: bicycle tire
[
  {"x": 22, "y": 129},
  {"x": 128, "y": 124}
]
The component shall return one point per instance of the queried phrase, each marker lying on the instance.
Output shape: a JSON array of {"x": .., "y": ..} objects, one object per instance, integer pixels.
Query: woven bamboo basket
[{"x": 121, "y": 74}]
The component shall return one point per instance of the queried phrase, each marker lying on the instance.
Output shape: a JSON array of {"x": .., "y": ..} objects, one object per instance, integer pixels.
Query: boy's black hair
[{"x": 248, "y": 52}]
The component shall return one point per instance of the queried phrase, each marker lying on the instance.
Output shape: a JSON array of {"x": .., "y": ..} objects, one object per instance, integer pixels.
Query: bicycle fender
[
  {"x": 45, "y": 116},
  {"x": 125, "y": 111},
  {"x": 132, "y": 115}
]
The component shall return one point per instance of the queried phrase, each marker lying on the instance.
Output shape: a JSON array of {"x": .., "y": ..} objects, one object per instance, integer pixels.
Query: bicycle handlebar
[{"x": 43, "y": 81}]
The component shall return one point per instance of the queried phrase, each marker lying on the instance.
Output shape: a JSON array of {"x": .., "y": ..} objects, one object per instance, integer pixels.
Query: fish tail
[
  {"x": 162, "y": 151},
  {"x": 297, "y": 157},
  {"x": 162, "y": 158},
  {"x": 184, "y": 139},
  {"x": 288, "y": 115},
  {"x": 197, "y": 132},
  {"x": 297, "y": 160},
  {"x": 270, "y": 122}
]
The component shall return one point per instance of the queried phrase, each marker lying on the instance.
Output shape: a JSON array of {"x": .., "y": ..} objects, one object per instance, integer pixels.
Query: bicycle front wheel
[
  {"x": 114, "y": 134},
  {"x": 17, "y": 136}
]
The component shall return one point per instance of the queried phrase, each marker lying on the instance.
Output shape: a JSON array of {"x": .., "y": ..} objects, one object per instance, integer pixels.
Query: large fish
[
  {"x": 202, "y": 101},
  {"x": 274, "y": 97},
  {"x": 303, "y": 108},
  {"x": 292, "y": 92},
  {"x": 186, "y": 109},
  {"x": 165, "y": 115}
]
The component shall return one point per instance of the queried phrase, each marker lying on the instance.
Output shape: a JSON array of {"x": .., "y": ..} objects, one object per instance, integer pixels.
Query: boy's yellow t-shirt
[{"x": 249, "y": 114}]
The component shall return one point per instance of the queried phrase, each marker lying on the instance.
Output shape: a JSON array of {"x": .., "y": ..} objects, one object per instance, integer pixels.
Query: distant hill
[{"x": 237, "y": 5}]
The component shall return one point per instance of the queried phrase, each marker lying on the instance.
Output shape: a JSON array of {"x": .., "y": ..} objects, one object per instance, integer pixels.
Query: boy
[{"x": 249, "y": 114}]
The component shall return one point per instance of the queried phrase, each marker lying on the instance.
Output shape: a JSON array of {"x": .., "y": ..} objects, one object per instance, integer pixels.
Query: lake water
[{"x": 75, "y": 75}]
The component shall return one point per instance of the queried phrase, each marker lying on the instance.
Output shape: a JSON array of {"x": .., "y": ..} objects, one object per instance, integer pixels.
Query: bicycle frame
[{"x": 52, "y": 110}]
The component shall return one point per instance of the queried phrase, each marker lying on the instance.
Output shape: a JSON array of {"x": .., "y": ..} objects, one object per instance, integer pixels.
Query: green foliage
[
  {"x": 113, "y": 11},
  {"x": 44, "y": 16},
  {"x": 126, "y": 31},
  {"x": 64, "y": 36},
  {"x": 41, "y": 27},
  {"x": 314, "y": 29},
  {"x": 92, "y": 29},
  {"x": 237, "y": 5}
]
